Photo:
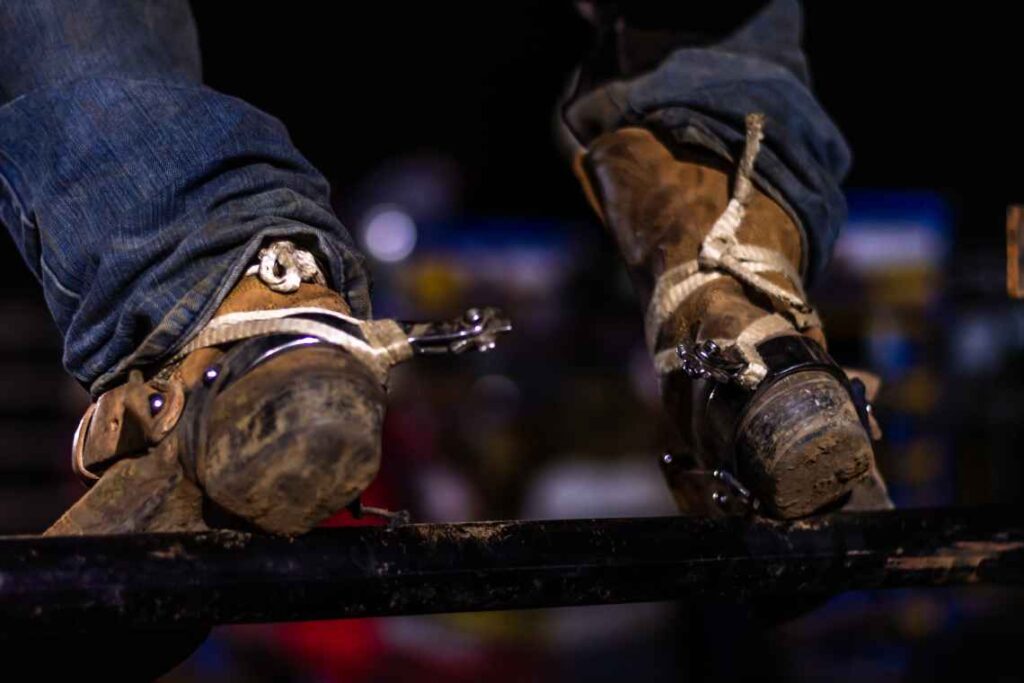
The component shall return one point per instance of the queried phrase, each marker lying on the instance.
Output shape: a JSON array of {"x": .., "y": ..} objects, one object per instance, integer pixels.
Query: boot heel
[
  {"x": 801, "y": 445},
  {"x": 293, "y": 441}
]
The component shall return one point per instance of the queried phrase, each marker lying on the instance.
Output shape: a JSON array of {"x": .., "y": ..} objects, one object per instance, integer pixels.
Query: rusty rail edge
[{"x": 166, "y": 580}]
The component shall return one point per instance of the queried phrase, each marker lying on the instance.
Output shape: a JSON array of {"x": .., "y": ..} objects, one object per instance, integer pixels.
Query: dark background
[{"x": 924, "y": 96}]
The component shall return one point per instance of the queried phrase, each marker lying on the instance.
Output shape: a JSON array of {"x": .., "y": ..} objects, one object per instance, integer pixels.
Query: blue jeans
[
  {"x": 135, "y": 194},
  {"x": 138, "y": 196},
  {"x": 701, "y": 93}
]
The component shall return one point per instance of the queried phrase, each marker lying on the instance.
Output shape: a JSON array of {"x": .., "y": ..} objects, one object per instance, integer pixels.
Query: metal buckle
[
  {"x": 477, "y": 329},
  {"x": 78, "y": 445},
  {"x": 707, "y": 360}
]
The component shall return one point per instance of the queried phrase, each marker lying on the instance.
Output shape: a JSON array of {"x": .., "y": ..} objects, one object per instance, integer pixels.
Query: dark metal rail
[{"x": 222, "y": 577}]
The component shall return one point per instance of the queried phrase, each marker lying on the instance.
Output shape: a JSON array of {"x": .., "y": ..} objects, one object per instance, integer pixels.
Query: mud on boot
[
  {"x": 268, "y": 419},
  {"x": 741, "y": 353}
]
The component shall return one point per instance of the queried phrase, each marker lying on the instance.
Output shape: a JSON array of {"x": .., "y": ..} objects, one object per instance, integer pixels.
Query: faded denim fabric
[
  {"x": 135, "y": 194},
  {"x": 701, "y": 94}
]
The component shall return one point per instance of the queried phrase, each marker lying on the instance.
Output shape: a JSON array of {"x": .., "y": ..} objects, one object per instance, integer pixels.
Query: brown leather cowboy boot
[
  {"x": 270, "y": 417},
  {"x": 745, "y": 374}
]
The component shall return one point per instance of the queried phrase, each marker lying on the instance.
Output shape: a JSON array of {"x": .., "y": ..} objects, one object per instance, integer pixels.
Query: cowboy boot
[
  {"x": 763, "y": 412},
  {"x": 269, "y": 418}
]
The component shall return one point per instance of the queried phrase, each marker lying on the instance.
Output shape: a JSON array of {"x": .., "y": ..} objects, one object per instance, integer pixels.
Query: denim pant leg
[
  {"x": 700, "y": 94},
  {"x": 135, "y": 194}
]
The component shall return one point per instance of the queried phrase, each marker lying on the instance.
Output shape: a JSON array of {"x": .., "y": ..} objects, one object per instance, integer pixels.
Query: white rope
[
  {"x": 679, "y": 283},
  {"x": 747, "y": 341},
  {"x": 722, "y": 254},
  {"x": 387, "y": 343},
  {"x": 244, "y": 316},
  {"x": 674, "y": 287},
  {"x": 283, "y": 267}
]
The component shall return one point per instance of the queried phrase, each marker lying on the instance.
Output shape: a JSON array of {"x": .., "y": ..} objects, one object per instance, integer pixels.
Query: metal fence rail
[{"x": 222, "y": 577}]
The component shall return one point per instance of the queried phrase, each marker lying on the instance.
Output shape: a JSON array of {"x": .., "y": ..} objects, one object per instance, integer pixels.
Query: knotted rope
[{"x": 723, "y": 255}]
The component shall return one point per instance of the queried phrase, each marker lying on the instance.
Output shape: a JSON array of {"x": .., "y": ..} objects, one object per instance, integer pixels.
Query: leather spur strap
[{"x": 130, "y": 419}]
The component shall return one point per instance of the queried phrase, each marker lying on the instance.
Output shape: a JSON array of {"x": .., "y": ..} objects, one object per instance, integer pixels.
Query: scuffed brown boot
[
  {"x": 270, "y": 417},
  {"x": 745, "y": 375}
]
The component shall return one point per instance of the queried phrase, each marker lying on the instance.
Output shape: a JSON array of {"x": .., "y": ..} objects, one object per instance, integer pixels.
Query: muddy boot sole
[
  {"x": 294, "y": 440},
  {"x": 801, "y": 446}
]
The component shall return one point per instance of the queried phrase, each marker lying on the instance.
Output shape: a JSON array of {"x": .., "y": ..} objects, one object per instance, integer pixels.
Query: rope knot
[
  {"x": 283, "y": 267},
  {"x": 714, "y": 250}
]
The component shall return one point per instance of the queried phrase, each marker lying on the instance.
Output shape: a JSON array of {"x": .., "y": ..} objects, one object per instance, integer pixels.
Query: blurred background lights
[{"x": 389, "y": 234}]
